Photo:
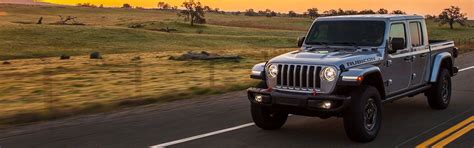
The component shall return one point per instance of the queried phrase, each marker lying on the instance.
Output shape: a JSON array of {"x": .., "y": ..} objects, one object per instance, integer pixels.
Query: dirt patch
[{"x": 3, "y": 13}]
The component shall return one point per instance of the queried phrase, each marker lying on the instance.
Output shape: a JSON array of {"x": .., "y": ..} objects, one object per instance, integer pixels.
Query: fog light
[
  {"x": 325, "y": 104},
  {"x": 259, "y": 98}
]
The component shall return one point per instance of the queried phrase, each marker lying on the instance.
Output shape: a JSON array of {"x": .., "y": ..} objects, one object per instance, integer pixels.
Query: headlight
[
  {"x": 329, "y": 73},
  {"x": 272, "y": 71}
]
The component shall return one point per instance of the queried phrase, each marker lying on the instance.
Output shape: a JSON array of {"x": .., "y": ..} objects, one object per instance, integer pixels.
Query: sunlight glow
[{"x": 420, "y": 7}]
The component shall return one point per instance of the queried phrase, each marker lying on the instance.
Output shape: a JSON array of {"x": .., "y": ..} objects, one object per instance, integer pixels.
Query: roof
[{"x": 372, "y": 17}]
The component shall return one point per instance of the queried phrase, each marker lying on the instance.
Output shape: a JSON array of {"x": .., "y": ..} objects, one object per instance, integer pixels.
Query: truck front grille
[{"x": 298, "y": 77}]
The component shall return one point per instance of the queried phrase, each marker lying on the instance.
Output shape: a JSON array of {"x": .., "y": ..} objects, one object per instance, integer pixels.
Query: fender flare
[
  {"x": 257, "y": 71},
  {"x": 352, "y": 74},
  {"x": 437, "y": 64}
]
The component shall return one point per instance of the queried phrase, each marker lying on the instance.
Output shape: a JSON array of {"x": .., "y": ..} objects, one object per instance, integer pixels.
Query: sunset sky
[{"x": 421, "y": 7}]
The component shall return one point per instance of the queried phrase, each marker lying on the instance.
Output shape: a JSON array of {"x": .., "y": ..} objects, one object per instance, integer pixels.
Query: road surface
[{"x": 224, "y": 121}]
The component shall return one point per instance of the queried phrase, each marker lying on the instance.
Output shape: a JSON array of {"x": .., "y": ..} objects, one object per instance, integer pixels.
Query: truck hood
[{"x": 334, "y": 58}]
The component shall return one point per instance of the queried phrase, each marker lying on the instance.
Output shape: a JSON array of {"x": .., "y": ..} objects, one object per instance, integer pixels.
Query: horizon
[{"x": 419, "y": 7}]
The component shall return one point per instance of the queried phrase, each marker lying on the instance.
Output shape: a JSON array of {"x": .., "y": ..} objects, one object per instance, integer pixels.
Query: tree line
[{"x": 194, "y": 12}]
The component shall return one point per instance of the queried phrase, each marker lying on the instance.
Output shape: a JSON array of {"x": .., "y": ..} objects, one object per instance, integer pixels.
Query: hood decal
[{"x": 362, "y": 61}]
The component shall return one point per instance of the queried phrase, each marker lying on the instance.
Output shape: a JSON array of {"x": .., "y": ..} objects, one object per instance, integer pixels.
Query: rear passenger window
[{"x": 416, "y": 34}]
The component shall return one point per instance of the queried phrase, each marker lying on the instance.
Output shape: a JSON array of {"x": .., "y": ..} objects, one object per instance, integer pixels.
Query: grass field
[{"x": 37, "y": 85}]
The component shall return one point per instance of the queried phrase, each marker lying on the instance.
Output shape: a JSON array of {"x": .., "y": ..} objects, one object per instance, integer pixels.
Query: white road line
[
  {"x": 163, "y": 145},
  {"x": 202, "y": 136},
  {"x": 464, "y": 69}
]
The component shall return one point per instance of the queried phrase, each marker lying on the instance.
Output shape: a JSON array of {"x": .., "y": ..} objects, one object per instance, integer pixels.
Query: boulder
[
  {"x": 64, "y": 57},
  {"x": 203, "y": 55},
  {"x": 95, "y": 55},
  {"x": 6, "y": 63}
]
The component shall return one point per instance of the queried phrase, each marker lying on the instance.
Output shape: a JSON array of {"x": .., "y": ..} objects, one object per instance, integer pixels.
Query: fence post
[
  {"x": 211, "y": 73},
  {"x": 137, "y": 76}
]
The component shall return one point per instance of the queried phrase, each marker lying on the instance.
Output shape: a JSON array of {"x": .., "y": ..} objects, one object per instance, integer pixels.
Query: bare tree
[{"x": 451, "y": 16}]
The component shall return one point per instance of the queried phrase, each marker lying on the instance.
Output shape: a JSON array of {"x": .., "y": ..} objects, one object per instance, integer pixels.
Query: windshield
[{"x": 347, "y": 33}]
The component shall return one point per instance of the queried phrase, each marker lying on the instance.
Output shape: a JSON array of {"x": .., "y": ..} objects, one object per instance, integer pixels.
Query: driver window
[{"x": 398, "y": 31}]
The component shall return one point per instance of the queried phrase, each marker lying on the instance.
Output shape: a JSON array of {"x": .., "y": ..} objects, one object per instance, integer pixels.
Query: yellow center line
[
  {"x": 445, "y": 133},
  {"x": 454, "y": 136}
]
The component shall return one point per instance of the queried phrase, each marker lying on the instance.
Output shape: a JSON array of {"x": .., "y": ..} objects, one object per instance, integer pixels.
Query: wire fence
[{"x": 49, "y": 88}]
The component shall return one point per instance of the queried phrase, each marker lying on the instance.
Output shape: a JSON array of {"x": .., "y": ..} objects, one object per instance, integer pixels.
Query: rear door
[
  {"x": 420, "y": 52},
  {"x": 398, "y": 66}
]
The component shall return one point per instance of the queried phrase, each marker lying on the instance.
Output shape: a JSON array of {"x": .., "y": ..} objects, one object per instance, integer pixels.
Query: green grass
[
  {"x": 107, "y": 31},
  {"x": 33, "y": 41}
]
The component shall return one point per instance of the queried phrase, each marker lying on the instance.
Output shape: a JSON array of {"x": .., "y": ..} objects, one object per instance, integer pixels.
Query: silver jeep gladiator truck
[{"x": 347, "y": 66}]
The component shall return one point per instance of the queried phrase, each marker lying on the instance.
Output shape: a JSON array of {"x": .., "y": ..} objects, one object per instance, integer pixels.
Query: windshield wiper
[
  {"x": 347, "y": 43},
  {"x": 325, "y": 44}
]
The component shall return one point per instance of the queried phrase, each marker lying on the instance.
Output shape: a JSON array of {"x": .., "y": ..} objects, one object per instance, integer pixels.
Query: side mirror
[
  {"x": 300, "y": 41},
  {"x": 396, "y": 44}
]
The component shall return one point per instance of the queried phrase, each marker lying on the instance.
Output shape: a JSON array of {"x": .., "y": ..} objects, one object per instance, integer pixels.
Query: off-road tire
[
  {"x": 267, "y": 119},
  {"x": 361, "y": 122},
  {"x": 439, "y": 95},
  {"x": 264, "y": 117}
]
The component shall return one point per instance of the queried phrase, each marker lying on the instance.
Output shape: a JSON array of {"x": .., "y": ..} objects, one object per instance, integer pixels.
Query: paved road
[{"x": 406, "y": 123}]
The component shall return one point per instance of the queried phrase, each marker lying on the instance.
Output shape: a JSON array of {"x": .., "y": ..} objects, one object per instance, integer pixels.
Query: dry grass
[{"x": 44, "y": 88}]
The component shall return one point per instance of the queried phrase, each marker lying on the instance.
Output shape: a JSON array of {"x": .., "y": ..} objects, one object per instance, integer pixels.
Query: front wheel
[
  {"x": 363, "y": 118},
  {"x": 439, "y": 95},
  {"x": 266, "y": 118}
]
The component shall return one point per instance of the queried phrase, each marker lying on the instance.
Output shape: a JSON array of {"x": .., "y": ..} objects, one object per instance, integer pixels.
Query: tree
[
  {"x": 292, "y": 13},
  {"x": 126, "y": 5},
  {"x": 451, "y": 16},
  {"x": 267, "y": 13},
  {"x": 194, "y": 12},
  {"x": 330, "y": 12},
  {"x": 430, "y": 17},
  {"x": 313, "y": 12},
  {"x": 163, "y": 5},
  {"x": 207, "y": 9},
  {"x": 350, "y": 12},
  {"x": 382, "y": 11},
  {"x": 250, "y": 12},
  {"x": 367, "y": 11},
  {"x": 398, "y": 12}
]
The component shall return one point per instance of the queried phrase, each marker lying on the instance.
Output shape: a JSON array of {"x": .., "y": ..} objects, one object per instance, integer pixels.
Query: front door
[{"x": 399, "y": 64}]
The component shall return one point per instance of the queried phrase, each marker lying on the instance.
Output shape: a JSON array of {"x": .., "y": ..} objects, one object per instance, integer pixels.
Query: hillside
[{"x": 136, "y": 45}]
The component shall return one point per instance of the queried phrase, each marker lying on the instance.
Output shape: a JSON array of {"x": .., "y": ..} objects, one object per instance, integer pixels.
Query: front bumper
[{"x": 299, "y": 103}]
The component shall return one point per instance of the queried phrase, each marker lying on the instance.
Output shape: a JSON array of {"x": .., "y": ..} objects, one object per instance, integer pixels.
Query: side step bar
[{"x": 408, "y": 93}]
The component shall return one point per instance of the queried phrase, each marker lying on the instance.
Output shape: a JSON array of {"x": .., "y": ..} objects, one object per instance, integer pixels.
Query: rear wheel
[
  {"x": 363, "y": 118},
  {"x": 439, "y": 95}
]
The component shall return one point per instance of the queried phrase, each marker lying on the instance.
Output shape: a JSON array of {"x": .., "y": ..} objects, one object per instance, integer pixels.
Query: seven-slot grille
[{"x": 299, "y": 77}]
